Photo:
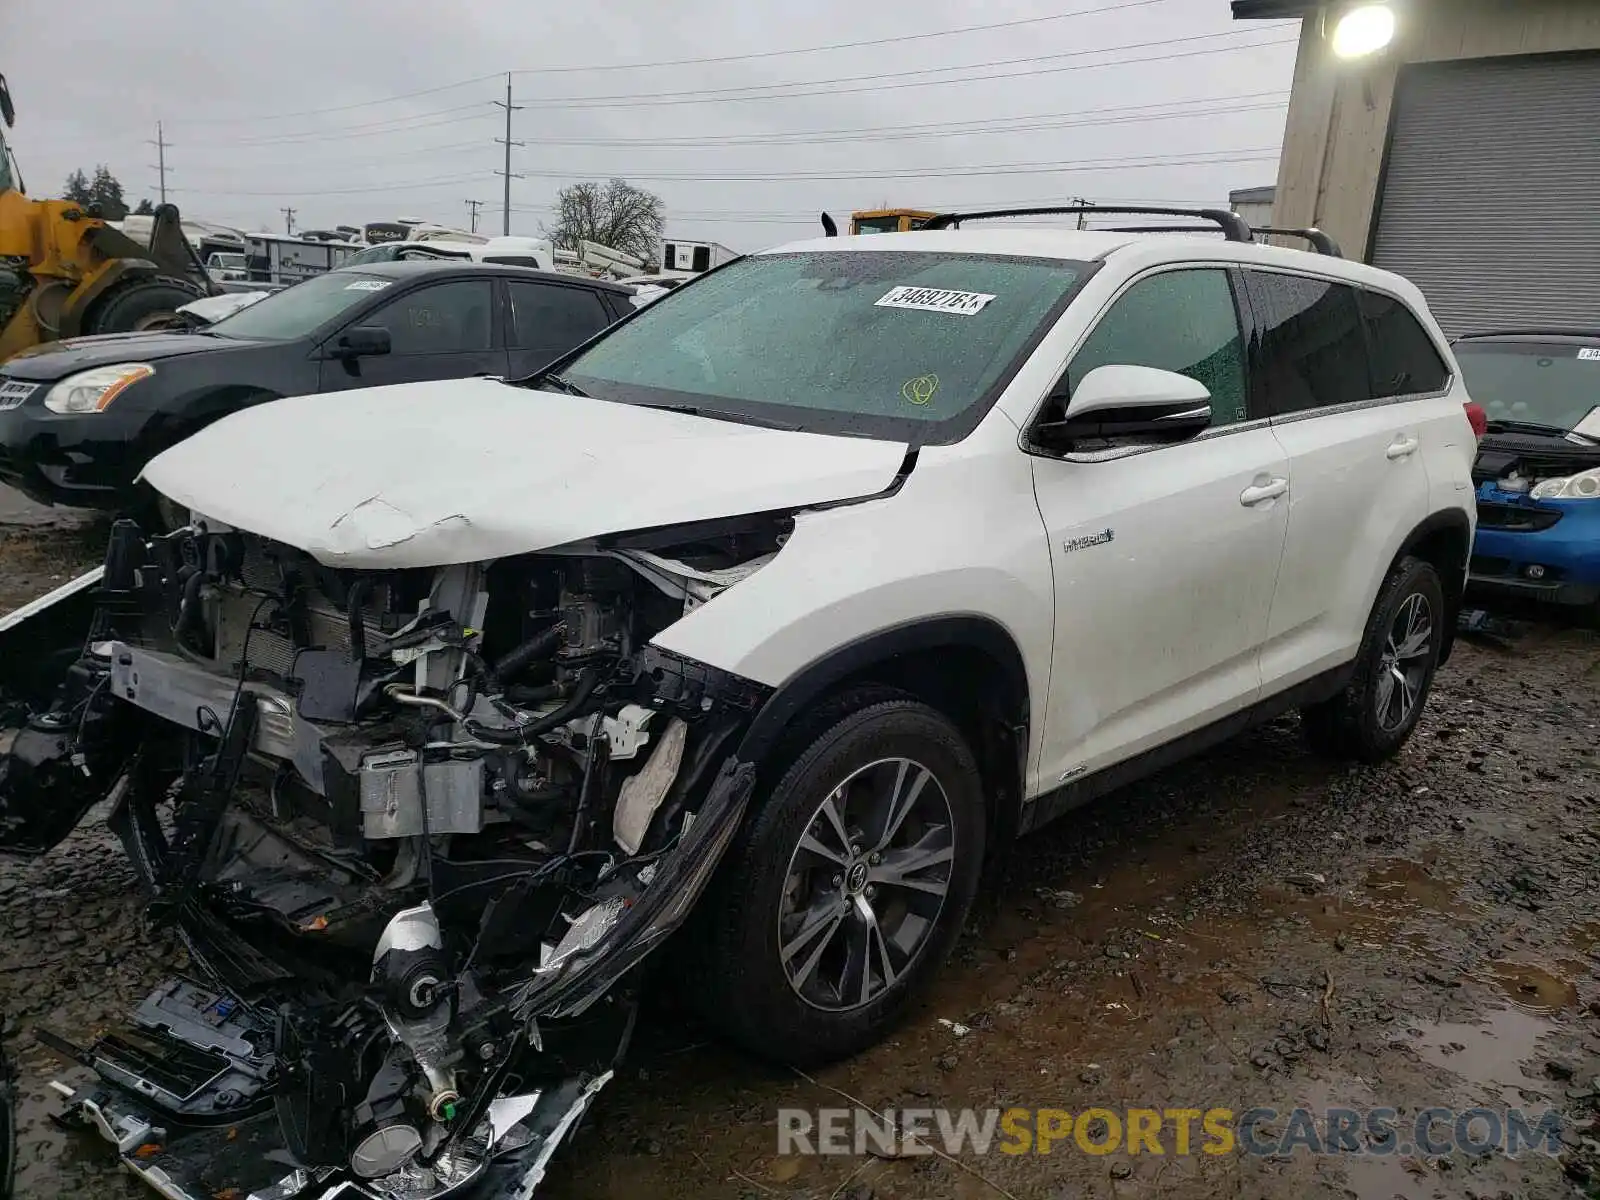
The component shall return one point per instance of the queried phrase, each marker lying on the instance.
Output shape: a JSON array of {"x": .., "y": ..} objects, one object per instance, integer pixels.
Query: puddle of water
[
  {"x": 1534, "y": 989},
  {"x": 1489, "y": 1055},
  {"x": 1410, "y": 885}
]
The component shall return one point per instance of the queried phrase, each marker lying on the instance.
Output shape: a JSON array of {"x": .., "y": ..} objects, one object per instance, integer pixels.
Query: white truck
[{"x": 678, "y": 255}]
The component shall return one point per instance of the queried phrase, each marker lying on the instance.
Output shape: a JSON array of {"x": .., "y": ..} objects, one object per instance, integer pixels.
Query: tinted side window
[
  {"x": 1312, "y": 351},
  {"x": 550, "y": 315},
  {"x": 444, "y": 318},
  {"x": 1405, "y": 361},
  {"x": 1181, "y": 321}
]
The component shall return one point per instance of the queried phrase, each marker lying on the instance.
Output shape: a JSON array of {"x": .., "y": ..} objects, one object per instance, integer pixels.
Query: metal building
[{"x": 1459, "y": 146}]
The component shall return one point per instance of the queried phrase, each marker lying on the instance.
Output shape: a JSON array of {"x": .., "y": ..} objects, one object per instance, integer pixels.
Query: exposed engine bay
[{"x": 417, "y": 829}]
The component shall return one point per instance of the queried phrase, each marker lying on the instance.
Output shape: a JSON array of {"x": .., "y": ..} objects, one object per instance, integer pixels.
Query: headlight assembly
[
  {"x": 1585, "y": 485},
  {"x": 92, "y": 391}
]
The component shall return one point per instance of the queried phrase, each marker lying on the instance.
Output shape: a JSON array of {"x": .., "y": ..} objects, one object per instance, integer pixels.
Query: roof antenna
[{"x": 829, "y": 229}]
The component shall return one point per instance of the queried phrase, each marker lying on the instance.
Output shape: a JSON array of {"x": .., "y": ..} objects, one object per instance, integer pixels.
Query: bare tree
[{"x": 614, "y": 213}]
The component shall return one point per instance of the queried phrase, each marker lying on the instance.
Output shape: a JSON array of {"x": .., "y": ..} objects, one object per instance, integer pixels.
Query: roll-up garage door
[{"x": 1491, "y": 199}]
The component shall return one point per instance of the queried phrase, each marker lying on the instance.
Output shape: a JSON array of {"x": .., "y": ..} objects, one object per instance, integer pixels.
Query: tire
[
  {"x": 813, "y": 1009},
  {"x": 141, "y": 304},
  {"x": 1379, "y": 708}
]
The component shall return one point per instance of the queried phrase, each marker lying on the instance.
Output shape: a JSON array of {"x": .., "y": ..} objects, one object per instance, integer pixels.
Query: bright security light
[{"x": 1364, "y": 31}]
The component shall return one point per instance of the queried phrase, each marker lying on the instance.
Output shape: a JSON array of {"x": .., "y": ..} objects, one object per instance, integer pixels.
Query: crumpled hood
[{"x": 428, "y": 474}]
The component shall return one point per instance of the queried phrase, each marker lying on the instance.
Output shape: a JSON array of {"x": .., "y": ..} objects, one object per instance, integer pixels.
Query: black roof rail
[
  {"x": 1320, "y": 242},
  {"x": 1233, "y": 226}
]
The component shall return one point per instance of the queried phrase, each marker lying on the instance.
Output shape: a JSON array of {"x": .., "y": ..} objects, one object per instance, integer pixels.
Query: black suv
[{"x": 80, "y": 418}]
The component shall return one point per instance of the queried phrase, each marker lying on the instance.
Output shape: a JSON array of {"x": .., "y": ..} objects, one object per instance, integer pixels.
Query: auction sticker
[
  {"x": 961, "y": 304},
  {"x": 367, "y": 285},
  {"x": 1588, "y": 354}
]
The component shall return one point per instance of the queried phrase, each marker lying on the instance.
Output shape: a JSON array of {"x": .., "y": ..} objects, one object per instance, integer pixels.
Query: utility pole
[
  {"x": 1083, "y": 218},
  {"x": 505, "y": 219},
  {"x": 161, "y": 160},
  {"x": 288, "y": 220},
  {"x": 472, "y": 207}
]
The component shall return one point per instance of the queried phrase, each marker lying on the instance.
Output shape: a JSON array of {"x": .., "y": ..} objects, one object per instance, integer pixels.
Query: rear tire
[
  {"x": 1379, "y": 708},
  {"x": 804, "y": 900},
  {"x": 142, "y": 304}
]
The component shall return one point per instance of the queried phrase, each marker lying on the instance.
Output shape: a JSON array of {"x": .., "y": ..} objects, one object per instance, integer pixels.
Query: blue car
[{"x": 1538, "y": 468}]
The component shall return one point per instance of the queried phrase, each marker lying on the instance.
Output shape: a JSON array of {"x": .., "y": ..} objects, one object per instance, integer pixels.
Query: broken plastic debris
[{"x": 955, "y": 1027}]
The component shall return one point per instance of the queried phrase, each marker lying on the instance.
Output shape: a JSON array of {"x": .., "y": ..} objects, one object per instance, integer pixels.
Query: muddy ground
[{"x": 1254, "y": 928}]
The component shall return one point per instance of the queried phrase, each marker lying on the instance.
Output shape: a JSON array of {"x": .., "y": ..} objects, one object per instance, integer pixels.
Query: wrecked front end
[{"x": 417, "y": 829}]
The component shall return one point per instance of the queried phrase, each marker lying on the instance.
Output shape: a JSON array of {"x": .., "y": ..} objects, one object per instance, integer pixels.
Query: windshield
[
  {"x": 1531, "y": 382},
  {"x": 910, "y": 346},
  {"x": 228, "y": 260},
  {"x": 300, "y": 310},
  {"x": 877, "y": 225}
]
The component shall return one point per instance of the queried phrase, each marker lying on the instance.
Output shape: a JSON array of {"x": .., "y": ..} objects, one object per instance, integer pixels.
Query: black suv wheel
[
  {"x": 1380, "y": 706},
  {"x": 848, "y": 885}
]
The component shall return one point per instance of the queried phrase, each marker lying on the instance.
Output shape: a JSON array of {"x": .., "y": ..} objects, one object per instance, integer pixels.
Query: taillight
[{"x": 1478, "y": 418}]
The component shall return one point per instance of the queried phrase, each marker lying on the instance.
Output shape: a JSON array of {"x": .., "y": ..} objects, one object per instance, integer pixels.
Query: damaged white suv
[{"x": 813, "y": 582}]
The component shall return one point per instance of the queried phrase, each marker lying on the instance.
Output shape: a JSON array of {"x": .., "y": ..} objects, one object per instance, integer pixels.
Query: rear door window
[
  {"x": 552, "y": 316},
  {"x": 1311, "y": 349},
  {"x": 1405, "y": 361}
]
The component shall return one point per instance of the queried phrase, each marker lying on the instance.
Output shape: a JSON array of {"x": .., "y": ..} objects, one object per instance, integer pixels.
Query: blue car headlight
[{"x": 1585, "y": 485}]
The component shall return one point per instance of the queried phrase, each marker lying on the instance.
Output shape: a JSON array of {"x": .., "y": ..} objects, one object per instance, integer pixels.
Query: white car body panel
[
  {"x": 1158, "y": 628},
  {"x": 1349, "y": 508},
  {"x": 427, "y": 474},
  {"x": 857, "y": 570}
]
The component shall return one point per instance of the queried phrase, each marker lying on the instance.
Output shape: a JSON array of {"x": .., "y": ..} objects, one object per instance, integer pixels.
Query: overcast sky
[{"x": 275, "y": 103}]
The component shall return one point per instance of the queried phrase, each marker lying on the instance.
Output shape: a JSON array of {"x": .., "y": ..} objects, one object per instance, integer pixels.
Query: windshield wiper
[
  {"x": 560, "y": 384},
  {"x": 740, "y": 418},
  {"x": 1527, "y": 427}
]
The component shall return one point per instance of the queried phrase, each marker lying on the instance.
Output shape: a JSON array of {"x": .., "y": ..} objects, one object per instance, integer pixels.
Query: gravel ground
[{"x": 1253, "y": 928}]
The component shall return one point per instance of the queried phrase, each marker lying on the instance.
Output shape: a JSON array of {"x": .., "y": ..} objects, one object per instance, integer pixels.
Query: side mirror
[
  {"x": 363, "y": 341},
  {"x": 1130, "y": 402}
]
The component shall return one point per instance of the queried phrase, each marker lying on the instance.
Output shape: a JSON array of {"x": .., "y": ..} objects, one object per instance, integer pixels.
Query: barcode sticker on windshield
[
  {"x": 367, "y": 285},
  {"x": 1589, "y": 355},
  {"x": 962, "y": 304}
]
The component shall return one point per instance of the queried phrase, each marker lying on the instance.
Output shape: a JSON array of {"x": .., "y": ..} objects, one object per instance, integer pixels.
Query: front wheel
[
  {"x": 1379, "y": 708},
  {"x": 848, "y": 887}
]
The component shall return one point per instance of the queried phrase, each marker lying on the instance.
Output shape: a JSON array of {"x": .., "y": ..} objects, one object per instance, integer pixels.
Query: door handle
[
  {"x": 1402, "y": 447},
  {"x": 1260, "y": 493}
]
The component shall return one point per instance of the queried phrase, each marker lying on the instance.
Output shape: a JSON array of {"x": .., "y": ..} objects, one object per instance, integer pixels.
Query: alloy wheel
[
  {"x": 866, "y": 884},
  {"x": 1404, "y": 664}
]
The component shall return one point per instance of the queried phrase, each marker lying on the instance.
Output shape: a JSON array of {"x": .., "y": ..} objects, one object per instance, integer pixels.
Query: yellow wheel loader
[{"x": 65, "y": 272}]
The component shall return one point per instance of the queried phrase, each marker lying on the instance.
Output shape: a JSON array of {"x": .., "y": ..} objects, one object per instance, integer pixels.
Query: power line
[
  {"x": 1251, "y": 154},
  {"x": 1199, "y": 158},
  {"x": 1023, "y": 123},
  {"x": 371, "y": 129},
  {"x": 996, "y": 125},
  {"x": 883, "y": 41},
  {"x": 317, "y": 112},
  {"x": 400, "y": 185},
  {"x": 408, "y": 125},
  {"x": 1096, "y": 10},
  {"x": 719, "y": 95}
]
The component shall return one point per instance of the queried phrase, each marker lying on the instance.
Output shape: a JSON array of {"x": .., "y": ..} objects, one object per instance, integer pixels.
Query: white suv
[{"x": 813, "y": 581}]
